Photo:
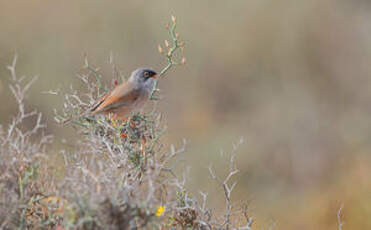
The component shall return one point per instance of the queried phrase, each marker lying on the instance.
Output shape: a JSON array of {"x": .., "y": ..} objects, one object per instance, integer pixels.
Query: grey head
[{"x": 143, "y": 77}]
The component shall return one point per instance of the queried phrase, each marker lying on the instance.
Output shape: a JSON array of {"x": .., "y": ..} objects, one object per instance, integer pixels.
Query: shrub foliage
[{"x": 116, "y": 175}]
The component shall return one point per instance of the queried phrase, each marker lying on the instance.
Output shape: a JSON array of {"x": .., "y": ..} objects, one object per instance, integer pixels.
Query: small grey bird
[{"x": 127, "y": 97}]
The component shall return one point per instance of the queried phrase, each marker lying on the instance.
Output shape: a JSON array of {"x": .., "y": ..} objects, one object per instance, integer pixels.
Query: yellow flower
[{"x": 160, "y": 211}]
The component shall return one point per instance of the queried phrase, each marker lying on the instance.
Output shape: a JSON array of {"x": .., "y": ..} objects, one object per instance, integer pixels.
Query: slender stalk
[{"x": 170, "y": 57}]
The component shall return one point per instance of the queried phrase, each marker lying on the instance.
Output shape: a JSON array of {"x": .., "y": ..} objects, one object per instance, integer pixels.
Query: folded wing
[{"x": 122, "y": 96}]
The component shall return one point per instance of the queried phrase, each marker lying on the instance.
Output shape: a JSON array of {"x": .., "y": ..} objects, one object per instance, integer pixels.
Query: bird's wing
[{"x": 122, "y": 95}]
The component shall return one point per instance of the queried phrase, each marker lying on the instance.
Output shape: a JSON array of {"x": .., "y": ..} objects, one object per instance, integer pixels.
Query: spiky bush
[{"x": 118, "y": 175}]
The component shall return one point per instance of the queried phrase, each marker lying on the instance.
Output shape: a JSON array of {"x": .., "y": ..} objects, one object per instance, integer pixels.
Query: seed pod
[{"x": 160, "y": 50}]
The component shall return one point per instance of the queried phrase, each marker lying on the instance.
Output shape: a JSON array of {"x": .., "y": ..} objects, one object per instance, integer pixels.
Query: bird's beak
[{"x": 155, "y": 76}]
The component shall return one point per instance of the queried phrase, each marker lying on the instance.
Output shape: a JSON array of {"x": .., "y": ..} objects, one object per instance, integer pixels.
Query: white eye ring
[{"x": 146, "y": 74}]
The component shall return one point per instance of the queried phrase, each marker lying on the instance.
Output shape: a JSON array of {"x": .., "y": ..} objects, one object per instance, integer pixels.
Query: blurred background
[{"x": 291, "y": 77}]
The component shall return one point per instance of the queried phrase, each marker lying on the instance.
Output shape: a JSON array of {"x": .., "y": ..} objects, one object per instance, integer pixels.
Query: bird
[{"x": 126, "y": 98}]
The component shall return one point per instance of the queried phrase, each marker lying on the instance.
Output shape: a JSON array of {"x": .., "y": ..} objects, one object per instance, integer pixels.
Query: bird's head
[{"x": 143, "y": 77}]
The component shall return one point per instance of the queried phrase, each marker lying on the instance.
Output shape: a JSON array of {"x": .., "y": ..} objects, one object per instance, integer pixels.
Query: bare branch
[{"x": 225, "y": 185}]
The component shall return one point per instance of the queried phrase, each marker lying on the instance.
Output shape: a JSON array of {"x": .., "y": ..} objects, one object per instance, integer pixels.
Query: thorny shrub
[{"x": 119, "y": 175}]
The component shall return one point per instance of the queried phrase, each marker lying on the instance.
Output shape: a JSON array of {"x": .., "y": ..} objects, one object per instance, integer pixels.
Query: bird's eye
[{"x": 146, "y": 74}]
